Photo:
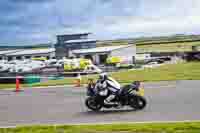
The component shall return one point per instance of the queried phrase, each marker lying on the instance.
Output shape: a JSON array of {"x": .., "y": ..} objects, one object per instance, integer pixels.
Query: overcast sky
[{"x": 39, "y": 21}]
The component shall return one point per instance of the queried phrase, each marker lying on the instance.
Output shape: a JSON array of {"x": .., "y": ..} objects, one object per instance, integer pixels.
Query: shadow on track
[{"x": 114, "y": 111}]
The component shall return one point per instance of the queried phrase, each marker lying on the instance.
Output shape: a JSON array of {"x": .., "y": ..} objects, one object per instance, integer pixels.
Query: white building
[
  {"x": 27, "y": 53},
  {"x": 3, "y": 53},
  {"x": 99, "y": 54}
]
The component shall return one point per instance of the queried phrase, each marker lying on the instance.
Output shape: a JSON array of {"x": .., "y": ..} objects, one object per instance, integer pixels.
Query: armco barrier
[{"x": 31, "y": 79}]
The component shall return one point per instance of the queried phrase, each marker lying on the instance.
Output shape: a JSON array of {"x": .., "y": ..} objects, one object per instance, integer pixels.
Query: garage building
[
  {"x": 99, "y": 55},
  {"x": 3, "y": 53},
  {"x": 27, "y": 54}
]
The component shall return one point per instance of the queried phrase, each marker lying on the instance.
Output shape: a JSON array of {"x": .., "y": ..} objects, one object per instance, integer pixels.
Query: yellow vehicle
[
  {"x": 76, "y": 64},
  {"x": 39, "y": 58},
  {"x": 113, "y": 60},
  {"x": 67, "y": 67},
  {"x": 84, "y": 63}
]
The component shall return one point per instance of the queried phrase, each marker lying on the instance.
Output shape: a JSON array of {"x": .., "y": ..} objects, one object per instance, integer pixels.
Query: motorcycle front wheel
[
  {"x": 137, "y": 102},
  {"x": 92, "y": 104}
]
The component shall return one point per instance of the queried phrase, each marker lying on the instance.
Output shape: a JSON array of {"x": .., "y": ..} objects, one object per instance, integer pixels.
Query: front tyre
[
  {"x": 137, "y": 102},
  {"x": 91, "y": 103}
]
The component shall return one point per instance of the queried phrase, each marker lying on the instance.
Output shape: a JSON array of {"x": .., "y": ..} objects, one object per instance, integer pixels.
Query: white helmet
[{"x": 103, "y": 76}]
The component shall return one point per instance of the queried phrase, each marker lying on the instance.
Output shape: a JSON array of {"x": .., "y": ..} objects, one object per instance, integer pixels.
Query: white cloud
[
  {"x": 163, "y": 18},
  {"x": 40, "y": 22}
]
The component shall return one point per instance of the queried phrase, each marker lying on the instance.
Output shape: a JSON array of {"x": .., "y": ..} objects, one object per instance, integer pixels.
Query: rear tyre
[{"x": 91, "y": 103}]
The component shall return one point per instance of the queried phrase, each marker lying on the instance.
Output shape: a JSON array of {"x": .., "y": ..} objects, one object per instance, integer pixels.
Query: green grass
[
  {"x": 170, "y": 47},
  {"x": 181, "y": 71},
  {"x": 187, "y": 127},
  {"x": 159, "y": 44},
  {"x": 65, "y": 81},
  {"x": 2, "y": 86},
  {"x": 7, "y": 86}
]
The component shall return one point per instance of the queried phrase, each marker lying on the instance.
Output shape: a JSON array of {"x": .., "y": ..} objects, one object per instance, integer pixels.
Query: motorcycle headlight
[{"x": 141, "y": 91}]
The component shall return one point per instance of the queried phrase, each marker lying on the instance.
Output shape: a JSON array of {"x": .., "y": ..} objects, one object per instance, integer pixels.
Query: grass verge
[
  {"x": 181, "y": 71},
  {"x": 186, "y": 127}
]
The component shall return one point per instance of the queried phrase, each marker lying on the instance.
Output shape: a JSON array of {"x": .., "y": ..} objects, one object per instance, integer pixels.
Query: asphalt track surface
[{"x": 167, "y": 101}]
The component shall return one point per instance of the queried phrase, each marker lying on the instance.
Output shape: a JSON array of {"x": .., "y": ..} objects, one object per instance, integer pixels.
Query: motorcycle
[{"x": 130, "y": 95}]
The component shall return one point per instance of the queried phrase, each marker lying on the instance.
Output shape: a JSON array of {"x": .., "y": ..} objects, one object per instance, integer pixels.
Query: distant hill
[{"x": 151, "y": 40}]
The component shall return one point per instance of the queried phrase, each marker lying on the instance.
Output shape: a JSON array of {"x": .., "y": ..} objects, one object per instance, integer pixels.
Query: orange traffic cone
[
  {"x": 17, "y": 84},
  {"x": 78, "y": 81}
]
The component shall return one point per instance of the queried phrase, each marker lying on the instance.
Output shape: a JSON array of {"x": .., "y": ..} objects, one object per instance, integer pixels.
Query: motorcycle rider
[{"x": 109, "y": 87}]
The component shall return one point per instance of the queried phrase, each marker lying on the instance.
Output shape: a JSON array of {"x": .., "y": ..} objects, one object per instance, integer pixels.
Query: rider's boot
[{"x": 108, "y": 100}]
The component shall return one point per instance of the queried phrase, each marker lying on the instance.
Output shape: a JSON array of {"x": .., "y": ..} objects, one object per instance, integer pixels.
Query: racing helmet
[{"x": 103, "y": 76}]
